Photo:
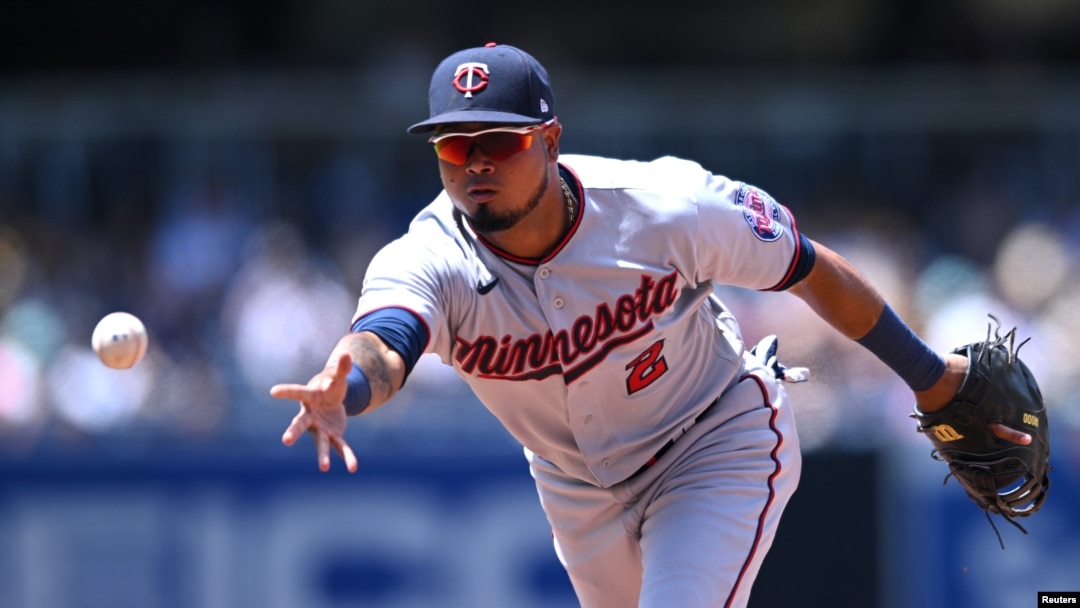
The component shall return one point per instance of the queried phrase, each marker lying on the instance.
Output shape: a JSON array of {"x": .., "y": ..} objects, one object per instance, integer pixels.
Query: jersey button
[
  {"x": 558, "y": 302},
  {"x": 545, "y": 273},
  {"x": 607, "y": 463}
]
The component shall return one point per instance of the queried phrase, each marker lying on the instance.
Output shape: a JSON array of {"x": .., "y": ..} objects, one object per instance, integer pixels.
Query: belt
[{"x": 671, "y": 442}]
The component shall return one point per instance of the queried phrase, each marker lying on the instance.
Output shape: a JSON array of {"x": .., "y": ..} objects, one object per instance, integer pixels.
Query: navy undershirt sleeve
[{"x": 401, "y": 329}]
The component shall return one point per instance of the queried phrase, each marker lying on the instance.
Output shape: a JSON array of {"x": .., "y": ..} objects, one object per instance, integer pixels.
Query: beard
[{"x": 485, "y": 220}]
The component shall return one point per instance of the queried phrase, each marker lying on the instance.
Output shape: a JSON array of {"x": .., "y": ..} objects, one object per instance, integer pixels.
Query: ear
[{"x": 551, "y": 141}]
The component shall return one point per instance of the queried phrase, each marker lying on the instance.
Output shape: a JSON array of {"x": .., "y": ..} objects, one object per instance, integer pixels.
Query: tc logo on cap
[{"x": 475, "y": 76}]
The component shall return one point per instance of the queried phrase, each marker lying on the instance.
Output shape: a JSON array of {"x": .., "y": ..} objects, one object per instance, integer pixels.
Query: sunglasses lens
[
  {"x": 454, "y": 150},
  {"x": 497, "y": 146},
  {"x": 501, "y": 146}
]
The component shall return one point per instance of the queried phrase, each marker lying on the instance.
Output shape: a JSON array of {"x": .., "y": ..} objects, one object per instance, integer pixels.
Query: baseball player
[{"x": 575, "y": 296}]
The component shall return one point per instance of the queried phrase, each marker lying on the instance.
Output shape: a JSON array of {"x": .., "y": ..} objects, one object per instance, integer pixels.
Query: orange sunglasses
[{"x": 499, "y": 143}]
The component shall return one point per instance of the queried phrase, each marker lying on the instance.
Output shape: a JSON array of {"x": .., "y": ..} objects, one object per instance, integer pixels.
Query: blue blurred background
[{"x": 225, "y": 170}]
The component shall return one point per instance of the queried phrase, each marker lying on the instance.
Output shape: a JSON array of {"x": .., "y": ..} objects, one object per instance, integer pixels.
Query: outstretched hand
[
  {"x": 939, "y": 395},
  {"x": 321, "y": 412}
]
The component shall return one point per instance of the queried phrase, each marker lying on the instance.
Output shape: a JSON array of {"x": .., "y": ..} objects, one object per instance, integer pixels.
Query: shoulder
[
  {"x": 432, "y": 239},
  {"x": 667, "y": 184},
  {"x": 601, "y": 172},
  {"x": 662, "y": 174}
]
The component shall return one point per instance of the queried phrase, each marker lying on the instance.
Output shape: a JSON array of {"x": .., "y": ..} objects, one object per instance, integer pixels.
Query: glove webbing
[{"x": 986, "y": 510}]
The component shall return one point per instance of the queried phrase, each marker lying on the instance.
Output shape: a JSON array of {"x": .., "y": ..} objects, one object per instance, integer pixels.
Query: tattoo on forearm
[{"x": 369, "y": 356}]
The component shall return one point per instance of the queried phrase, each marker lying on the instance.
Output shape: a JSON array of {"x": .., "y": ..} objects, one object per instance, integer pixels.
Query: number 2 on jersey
[{"x": 646, "y": 369}]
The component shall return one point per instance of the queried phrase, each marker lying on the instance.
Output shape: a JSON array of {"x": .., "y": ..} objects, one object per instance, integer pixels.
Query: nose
[{"x": 478, "y": 161}]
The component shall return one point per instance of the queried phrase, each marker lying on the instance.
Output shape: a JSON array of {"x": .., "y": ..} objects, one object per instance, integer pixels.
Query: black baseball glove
[{"x": 1000, "y": 476}]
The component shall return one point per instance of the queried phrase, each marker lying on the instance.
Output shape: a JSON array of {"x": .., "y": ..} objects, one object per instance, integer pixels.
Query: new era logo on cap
[{"x": 494, "y": 83}]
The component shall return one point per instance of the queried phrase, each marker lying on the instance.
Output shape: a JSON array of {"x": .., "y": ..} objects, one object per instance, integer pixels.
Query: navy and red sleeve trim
[{"x": 801, "y": 264}]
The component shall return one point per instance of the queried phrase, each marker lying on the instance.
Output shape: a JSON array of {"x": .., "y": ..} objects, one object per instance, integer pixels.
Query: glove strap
[{"x": 892, "y": 341}]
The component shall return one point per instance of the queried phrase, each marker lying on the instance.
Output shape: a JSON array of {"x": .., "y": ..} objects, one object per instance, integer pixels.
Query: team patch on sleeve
[{"x": 761, "y": 212}]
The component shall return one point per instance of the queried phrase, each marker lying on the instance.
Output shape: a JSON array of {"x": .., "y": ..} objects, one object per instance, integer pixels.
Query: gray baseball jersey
[{"x": 599, "y": 354}]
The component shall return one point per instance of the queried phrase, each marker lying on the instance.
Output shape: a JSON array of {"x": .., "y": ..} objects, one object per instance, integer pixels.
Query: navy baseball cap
[{"x": 492, "y": 83}]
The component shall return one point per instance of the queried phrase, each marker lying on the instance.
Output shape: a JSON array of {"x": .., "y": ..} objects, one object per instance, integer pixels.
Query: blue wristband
[
  {"x": 892, "y": 341},
  {"x": 358, "y": 395}
]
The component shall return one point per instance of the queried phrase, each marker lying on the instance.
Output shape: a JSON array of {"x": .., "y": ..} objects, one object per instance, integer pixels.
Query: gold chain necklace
[{"x": 571, "y": 202}]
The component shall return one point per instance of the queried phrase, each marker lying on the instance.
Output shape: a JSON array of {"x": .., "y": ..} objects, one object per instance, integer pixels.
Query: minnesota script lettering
[{"x": 574, "y": 351}]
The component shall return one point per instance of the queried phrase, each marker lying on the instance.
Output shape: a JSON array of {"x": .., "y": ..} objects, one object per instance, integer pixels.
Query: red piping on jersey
[
  {"x": 772, "y": 489},
  {"x": 557, "y": 248}
]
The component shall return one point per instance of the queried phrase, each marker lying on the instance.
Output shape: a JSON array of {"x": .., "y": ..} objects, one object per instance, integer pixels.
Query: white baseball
[{"x": 120, "y": 340}]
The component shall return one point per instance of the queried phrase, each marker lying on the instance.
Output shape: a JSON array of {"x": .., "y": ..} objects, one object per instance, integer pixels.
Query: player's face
[{"x": 495, "y": 175}]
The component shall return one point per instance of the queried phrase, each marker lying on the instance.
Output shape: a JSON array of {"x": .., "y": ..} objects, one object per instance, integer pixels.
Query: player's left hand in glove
[{"x": 1000, "y": 476}]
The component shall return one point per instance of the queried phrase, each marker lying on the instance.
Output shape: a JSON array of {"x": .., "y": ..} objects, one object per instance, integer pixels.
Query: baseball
[{"x": 120, "y": 340}]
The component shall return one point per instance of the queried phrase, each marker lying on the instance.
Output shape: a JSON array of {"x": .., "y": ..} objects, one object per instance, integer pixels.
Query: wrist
[
  {"x": 358, "y": 391},
  {"x": 892, "y": 341},
  {"x": 945, "y": 389}
]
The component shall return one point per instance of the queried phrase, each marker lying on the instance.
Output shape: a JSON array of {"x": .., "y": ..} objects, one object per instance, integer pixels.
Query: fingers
[
  {"x": 346, "y": 453},
  {"x": 292, "y": 392},
  {"x": 323, "y": 442},
  {"x": 1010, "y": 434},
  {"x": 316, "y": 386},
  {"x": 344, "y": 366},
  {"x": 297, "y": 427},
  {"x": 322, "y": 449}
]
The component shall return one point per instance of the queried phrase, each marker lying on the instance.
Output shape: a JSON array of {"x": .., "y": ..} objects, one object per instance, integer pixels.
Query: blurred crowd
[{"x": 245, "y": 264}]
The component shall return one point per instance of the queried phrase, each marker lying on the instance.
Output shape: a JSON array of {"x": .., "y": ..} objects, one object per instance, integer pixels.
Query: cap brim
[{"x": 506, "y": 118}]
